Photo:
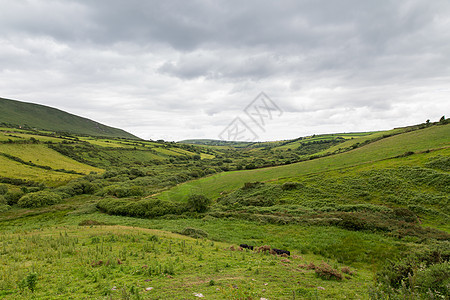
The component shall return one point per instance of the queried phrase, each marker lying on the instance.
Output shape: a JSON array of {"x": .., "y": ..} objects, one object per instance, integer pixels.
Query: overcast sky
[{"x": 186, "y": 69}]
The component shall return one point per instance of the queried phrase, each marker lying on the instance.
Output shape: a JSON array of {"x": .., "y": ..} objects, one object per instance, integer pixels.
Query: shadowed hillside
[{"x": 31, "y": 115}]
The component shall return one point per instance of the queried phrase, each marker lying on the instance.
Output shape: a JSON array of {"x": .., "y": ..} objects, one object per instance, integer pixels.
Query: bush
[
  {"x": 435, "y": 278},
  {"x": 194, "y": 232},
  {"x": 325, "y": 271},
  {"x": 439, "y": 162},
  {"x": 351, "y": 221},
  {"x": 423, "y": 273},
  {"x": 288, "y": 186},
  {"x": 3, "y": 189},
  {"x": 251, "y": 185},
  {"x": 121, "y": 191},
  {"x": 39, "y": 199},
  {"x": 198, "y": 203},
  {"x": 78, "y": 188},
  {"x": 13, "y": 196},
  {"x": 404, "y": 214},
  {"x": 147, "y": 208},
  {"x": 4, "y": 207}
]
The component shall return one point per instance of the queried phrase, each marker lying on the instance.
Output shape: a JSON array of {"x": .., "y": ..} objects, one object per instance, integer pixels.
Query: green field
[
  {"x": 109, "y": 261},
  {"x": 42, "y": 155}
]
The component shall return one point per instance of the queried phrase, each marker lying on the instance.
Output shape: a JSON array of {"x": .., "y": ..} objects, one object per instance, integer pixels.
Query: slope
[
  {"x": 213, "y": 186},
  {"x": 24, "y": 114}
]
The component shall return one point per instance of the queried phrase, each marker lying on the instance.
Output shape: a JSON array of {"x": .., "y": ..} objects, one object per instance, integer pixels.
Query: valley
[{"x": 364, "y": 215}]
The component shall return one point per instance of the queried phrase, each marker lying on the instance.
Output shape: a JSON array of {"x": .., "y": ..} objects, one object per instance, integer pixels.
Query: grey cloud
[{"x": 192, "y": 60}]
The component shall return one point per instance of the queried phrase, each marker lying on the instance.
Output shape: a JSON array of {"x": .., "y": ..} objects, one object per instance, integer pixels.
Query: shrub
[
  {"x": 439, "y": 162},
  {"x": 78, "y": 188},
  {"x": 3, "y": 204},
  {"x": 325, "y": 271},
  {"x": 30, "y": 189},
  {"x": 198, "y": 203},
  {"x": 121, "y": 191},
  {"x": 251, "y": 185},
  {"x": 31, "y": 281},
  {"x": 404, "y": 214},
  {"x": 4, "y": 207},
  {"x": 347, "y": 270},
  {"x": 13, "y": 196},
  {"x": 287, "y": 186},
  {"x": 427, "y": 270},
  {"x": 39, "y": 199},
  {"x": 147, "y": 208},
  {"x": 3, "y": 189},
  {"x": 253, "y": 194},
  {"x": 194, "y": 232},
  {"x": 351, "y": 221},
  {"x": 435, "y": 278}
]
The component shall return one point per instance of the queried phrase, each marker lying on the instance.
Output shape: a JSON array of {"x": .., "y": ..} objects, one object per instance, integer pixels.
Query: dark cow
[
  {"x": 280, "y": 252},
  {"x": 245, "y": 246}
]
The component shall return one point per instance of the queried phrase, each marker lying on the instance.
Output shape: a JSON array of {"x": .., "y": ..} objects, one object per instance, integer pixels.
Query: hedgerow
[
  {"x": 146, "y": 208},
  {"x": 39, "y": 199}
]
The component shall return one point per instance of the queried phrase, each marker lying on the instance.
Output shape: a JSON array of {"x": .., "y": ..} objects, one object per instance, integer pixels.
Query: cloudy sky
[{"x": 186, "y": 69}]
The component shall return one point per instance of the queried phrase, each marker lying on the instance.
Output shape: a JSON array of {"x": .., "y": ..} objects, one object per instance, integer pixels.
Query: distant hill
[
  {"x": 209, "y": 142},
  {"x": 31, "y": 115}
]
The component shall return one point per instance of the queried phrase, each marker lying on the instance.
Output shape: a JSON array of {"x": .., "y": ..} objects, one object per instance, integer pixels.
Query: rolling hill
[
  {"x": 31, "y": 115},
  {"x": 415, "y": 141}
]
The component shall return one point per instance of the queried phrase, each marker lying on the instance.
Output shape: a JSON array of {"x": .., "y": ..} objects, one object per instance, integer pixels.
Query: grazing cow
[
  {"x": 280, "y": 252},
  {"x": 245, "y": 246}
]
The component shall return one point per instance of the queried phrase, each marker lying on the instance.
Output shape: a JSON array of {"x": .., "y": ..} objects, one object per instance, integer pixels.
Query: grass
[{"x": 120, "y": 261}]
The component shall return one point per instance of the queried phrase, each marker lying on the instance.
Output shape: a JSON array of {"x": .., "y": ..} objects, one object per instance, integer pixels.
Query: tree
[{"x": 198, "y": 203}]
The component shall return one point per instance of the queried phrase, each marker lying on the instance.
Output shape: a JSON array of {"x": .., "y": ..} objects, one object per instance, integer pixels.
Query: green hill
[
  {"x": 31, "y": 115},
  {"x": 415, "y": 141}
]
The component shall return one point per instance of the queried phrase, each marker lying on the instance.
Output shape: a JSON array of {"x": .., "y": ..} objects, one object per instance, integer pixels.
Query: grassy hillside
[
  {"x": 123, "y": 262},
  {"x": 415, "y": 141},
  {"x": 43, "y": 117}
]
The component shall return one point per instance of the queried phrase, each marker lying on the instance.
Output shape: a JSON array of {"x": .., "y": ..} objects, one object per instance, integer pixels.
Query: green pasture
[
  {"x": 44, "y": 156},
  {"x": 13, "y": 169},
  {"x": 122, "y": 261}
]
